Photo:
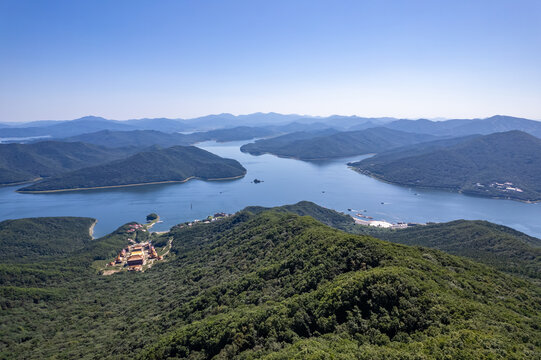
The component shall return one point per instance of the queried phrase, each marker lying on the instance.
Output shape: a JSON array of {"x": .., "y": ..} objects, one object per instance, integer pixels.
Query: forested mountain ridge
[
  {"x": 272, "y": 285},
  {"x": 146, "y": 138},
  {"x": 26, "y": 162},
  {"x": 504, "y": 248},
  {"x": 174, "y": 164},
  {"x": 464, "y": 127},
  {"x": 139, "y": 138},
  {"x": 504, "y": 165},
  {"x": 340, "y": 144},
  {"x": 55, "y": 129},
  {"x": 264, "y": 146}
]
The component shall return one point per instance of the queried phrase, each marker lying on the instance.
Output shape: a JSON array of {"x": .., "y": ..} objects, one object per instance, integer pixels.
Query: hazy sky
[{"x": 133, "y": 59}]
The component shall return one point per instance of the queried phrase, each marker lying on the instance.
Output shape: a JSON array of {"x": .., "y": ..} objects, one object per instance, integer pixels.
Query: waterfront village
[
  {"x": 505, "y": 187},
  {"x": 141, "y": 255},
  {"x": 361, "y": 219}
]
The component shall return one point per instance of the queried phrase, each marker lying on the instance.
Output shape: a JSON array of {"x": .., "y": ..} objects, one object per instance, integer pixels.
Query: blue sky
[{"x": 133, "y": 59}]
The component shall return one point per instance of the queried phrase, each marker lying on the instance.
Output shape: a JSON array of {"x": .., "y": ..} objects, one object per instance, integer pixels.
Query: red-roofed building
[{"x": 135, "y": 260}]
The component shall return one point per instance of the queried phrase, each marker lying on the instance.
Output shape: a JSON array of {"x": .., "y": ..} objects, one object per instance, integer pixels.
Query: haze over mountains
[
  {"x": 88, "y": 124},
  {"x": 497, "y": 123}
]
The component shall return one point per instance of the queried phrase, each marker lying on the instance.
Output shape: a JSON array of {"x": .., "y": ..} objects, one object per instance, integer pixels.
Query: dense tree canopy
[
  {"x": 178, "y": 163},
  {"x": 494, "y": 165},
  {"x": 272, "y": 285}
]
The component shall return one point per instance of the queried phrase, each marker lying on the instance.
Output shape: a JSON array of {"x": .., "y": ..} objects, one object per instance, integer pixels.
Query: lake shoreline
[
  {"x": 21, "y": 182},
  {"x": 451, "y": 190},
  {"x": 128, "y": 185},
  {"x": 307, "y": 160},
  {"x": 91, "y": 229}
]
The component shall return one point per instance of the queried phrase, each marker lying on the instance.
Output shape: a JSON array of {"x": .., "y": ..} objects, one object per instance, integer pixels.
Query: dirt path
[
  {"x": 169, "y": 244},
  {"x": 110, "y": 272},
  {"x": 91, "y": 229}
]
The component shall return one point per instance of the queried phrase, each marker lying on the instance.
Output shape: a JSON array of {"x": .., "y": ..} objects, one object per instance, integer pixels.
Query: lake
[{"x": 285, "y": 181}]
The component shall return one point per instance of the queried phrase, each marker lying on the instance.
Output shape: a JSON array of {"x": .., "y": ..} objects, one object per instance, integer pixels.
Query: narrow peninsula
[{"x": 174, "y": 164}]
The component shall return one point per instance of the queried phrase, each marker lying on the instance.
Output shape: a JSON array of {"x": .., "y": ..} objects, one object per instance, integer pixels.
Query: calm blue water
[{"x": 286, "y": 181}]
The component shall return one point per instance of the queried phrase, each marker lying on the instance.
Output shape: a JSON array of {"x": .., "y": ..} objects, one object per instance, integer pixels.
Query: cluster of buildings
[
  {"x": 135, "y": 227},
  {"x": 381, "y": 224},
  {"x": 209, "y": 219},
  {"x": 136, "y": 255},
  {"x": 506, "y": 186}
]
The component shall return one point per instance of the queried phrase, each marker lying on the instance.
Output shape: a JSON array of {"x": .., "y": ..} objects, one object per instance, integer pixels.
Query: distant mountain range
[
  {"x": 174, "y": 164},
  {"x": 487, "y": 126},
  {"x": 88, "y": 124},
  {"x": 331, "y": 144},
  {"x": 503, "y": 165}
]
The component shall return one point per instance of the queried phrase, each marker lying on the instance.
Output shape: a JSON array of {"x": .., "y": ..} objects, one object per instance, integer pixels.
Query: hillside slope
[
  {"x": 139, "y": 138},
  {"x": 504, "y": 248},
  {"x": 146, "y": 138},
  {"x": 26, "y": 162},
  {"x": 341, "y": 144},
  {"x": 28, "y": 239},
  {"x": 494, "y": 165},
  {"x": 174, "y": 164},
  {"x": 275, "y": 286}
]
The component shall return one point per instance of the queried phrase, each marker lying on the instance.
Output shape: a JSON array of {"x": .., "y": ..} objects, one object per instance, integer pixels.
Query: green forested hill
[
  {"x": 500, "y": 246},
  {"x": 307, "y": 208},
  {"x": 146, "y": 138},
  {"x": 27, "y": 239},
  {"x": 496, "y": 245},
  {"x": 272, "y": 285},
  {"x": 341, "y": 144},
  {"x": 138, "y": 138},
  {"x": 479, "y": 166},
  {"x": 177, "y": 163},
  {"x": 26, "y": 162}
]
